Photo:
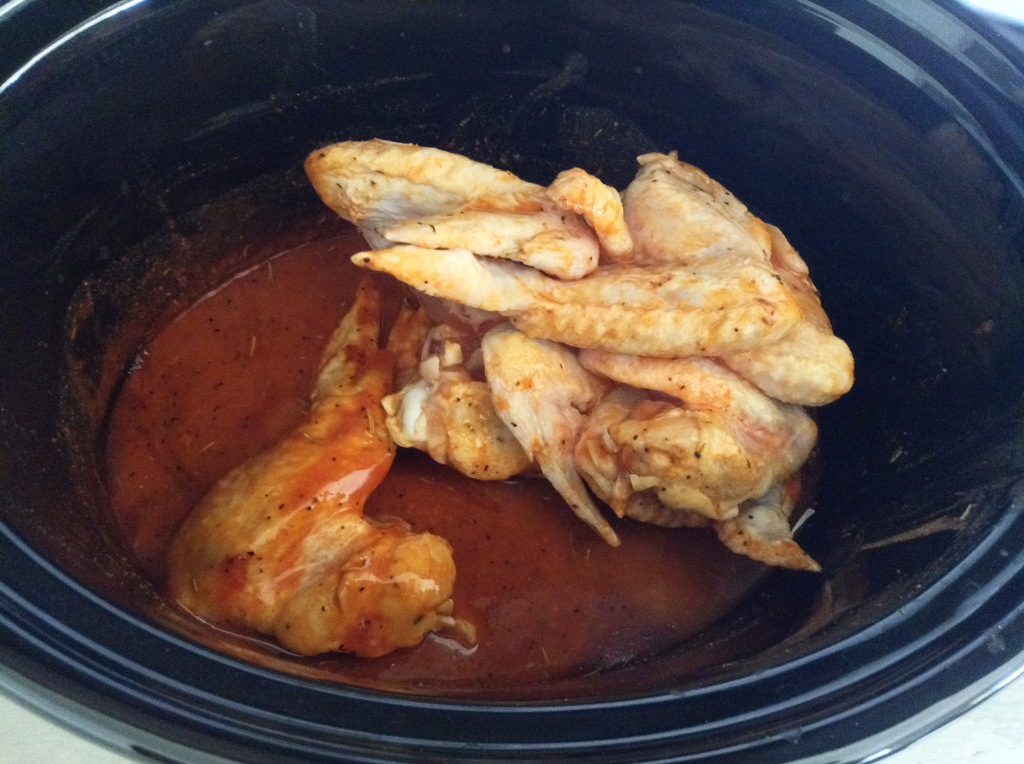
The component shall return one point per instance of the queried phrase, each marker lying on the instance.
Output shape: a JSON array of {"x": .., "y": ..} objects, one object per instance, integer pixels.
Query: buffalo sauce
[{"x": 232, "y": 375}]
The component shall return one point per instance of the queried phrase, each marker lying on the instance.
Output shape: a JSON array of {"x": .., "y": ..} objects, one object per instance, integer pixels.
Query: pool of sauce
[{"x": 232, "y": 375}]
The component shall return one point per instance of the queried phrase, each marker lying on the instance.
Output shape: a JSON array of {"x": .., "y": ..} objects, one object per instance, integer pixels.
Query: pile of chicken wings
[{"x": 655, "y": 349}]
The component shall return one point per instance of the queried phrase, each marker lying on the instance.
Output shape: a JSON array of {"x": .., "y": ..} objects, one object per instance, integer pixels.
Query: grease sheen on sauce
[{"x": 232, "y": 375}]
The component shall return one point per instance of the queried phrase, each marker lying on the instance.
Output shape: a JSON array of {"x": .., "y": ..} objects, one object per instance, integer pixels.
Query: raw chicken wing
[
  {"x": 280, "y": 545},
  {"x": 633, "y": 444},
  {"x": 541, "y": 393},
  {"x": 547, "y": 230},
  {"x": 551, "y": 240},
  {"x": 716, "y": 305},
  {"x": 445, "y": 409},
  {"x": 377, "y": 183},
  {"x": 399, "y": 193},
  {"x": 678, "y": 215},
  {"x": 716, "y": 442}
]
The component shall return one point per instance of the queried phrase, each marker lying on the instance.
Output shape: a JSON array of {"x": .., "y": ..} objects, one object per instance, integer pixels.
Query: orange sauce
[{"x": 232, "y": 375}]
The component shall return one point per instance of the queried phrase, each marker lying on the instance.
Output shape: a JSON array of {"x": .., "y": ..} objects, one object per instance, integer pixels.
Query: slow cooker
[{"x": 885, "y": 137}]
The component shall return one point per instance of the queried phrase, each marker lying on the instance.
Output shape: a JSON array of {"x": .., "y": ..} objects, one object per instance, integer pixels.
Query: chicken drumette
[{"x": 280, "y": 545}]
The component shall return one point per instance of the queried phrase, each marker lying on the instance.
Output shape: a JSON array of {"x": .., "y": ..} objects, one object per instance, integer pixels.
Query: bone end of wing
[{"x": 778, "y": 552}]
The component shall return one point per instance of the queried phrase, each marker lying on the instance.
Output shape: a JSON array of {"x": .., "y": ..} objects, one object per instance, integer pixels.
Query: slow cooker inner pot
[{"x": 137, "y": 157}]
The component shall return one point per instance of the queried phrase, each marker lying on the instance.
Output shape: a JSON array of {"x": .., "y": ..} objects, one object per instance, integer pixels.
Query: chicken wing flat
[
  {"x": 398, "y": 193},
  {"x": 561, "y": 230},
  {"x": 378, "y": 183},
  {"x": 551, "y": 240},
  {"x": 677, "y": 214},
  {"x": 280, "y": 545},
  {"x": 541, "y": 392},
  {"x": 714, "y": 306}
]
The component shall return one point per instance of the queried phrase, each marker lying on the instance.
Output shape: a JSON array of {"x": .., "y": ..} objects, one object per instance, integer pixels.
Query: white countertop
[{"x": 991, "y": 733}]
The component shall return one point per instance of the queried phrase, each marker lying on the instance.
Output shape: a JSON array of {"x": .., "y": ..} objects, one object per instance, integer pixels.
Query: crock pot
[{"x": 885, "y": 137}]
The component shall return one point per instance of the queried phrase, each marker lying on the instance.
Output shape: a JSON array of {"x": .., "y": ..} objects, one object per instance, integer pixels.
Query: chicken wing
[
  {"x": 280, "y": 545},
  {"x": 377, "y": 183},
  {"x": 632, "y": 444},
  {"x": 446, "y": 410},
  {"x": 547, "y": 230},
  {"x": 713, "y": 306},
  {"x": 551, "y": 240},
  {"x": 399, "y": 193},
  {"x": 678, "y": 215},
  {"x": 541, "y": 393},
  {"x": 716, "y": 442}
]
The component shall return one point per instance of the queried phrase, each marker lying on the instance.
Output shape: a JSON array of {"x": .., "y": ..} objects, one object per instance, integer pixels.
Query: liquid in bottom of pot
[{"x": 232, "y": 375}]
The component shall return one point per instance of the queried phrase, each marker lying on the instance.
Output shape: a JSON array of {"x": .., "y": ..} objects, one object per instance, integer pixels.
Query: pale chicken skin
[
  {"x": 378, "y": 183},
  {"x": 280, "y": 545},
  {"x": 717, "y": 305},
  {"x": 677, "y": 214},
  {"x": 401, "y": 194},
  {"x": 809, "y": 365},
  {"x": 761, "y": 530},
  {"x": 716, "y": 442},
  {"x": 408, "y": 334},
  {"x": 542, "y": 394},
  {"x": 656, "y": 463},
  {"x": 633, "y": 444},
  {"x": 600, "y": 205},
  {"x": 551, "y": 240}
]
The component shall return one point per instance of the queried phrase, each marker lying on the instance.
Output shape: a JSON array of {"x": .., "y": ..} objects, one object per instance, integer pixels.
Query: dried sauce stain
[{"x": 546, "y": 601}]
